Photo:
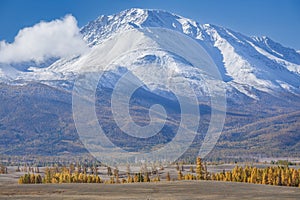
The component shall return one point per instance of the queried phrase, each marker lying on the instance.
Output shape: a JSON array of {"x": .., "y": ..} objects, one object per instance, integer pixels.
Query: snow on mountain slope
[
  {"x": 251, "y": 65},
  {"x": 154, "y": 60},
  {"x": 237, "y": 67},
  {"x": 277, "y": 49},
  {"x": 7, "y": 73},
  {"x": 247, "y": 64}
]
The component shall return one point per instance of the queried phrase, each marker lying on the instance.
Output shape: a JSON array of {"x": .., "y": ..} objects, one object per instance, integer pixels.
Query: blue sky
[{"x": 278, "y": 19}]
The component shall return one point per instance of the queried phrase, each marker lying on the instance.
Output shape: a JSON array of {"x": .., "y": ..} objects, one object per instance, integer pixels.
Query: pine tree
[
  {"x": 112, "y": 180},
  {"x": 177, "y": 167},
  {"x": 32, "y": 178},
  {"x": 179, "y": 175},
  {"x": 228, "y": 176},
  {"x": 158, "y": 178},
  {"x": 27, "y": 178},
  {"x": 186, "y": 177},
  {"x": 89, "y": 179},
  {"x": 136, "y": 178},
  {"x": 264, "y": 177},
  {"x": 38, "y": 179},
  {"x": 295, "y": 178},
  {"x": 181, "y": 166},
  {"x": 147, "y": 178},
  {"x": 140, "y": 177},
  {"x": 98, "y": 180},
  {"x": 21, "y": 180},
  {"x": 279, "y": 177},
  {"x": 253, "y": 176},
  {"x": 116, "y": 174},
  {"x": 47, "y": 175},
  {"x": 205, "y": 176},
  {"x": 129, "y": 179},
  {"x": 289, "y": 179},
  {"x": 213, "y": 177},
  {"x": 270, "y": 176},
  {"x": 199, "y": 168},
  {"x": 109, "y": 172},
  {"x": 192, "y": 169},
  {"x": 247, "y": 174},
  {"x": 61, "y": 178},
  {"x": 168, "y": 178}
]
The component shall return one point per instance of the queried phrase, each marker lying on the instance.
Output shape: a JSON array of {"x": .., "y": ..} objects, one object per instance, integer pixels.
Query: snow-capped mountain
[
  {"x": 261, "y": 77},
  {"x": 247, "y": 65}
]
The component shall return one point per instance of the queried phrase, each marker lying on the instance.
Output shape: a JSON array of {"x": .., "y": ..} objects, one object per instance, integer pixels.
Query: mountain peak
[
  {"x": 146, "y": 12},
  {"x": 96, "y": 30}
]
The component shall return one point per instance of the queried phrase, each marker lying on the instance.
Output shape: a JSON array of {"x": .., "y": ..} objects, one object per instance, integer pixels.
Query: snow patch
[{"x": 290, "y": 66}]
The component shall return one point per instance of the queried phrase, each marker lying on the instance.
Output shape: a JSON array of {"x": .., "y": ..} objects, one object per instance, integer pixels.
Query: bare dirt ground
[{"x": 162, "y": 190}]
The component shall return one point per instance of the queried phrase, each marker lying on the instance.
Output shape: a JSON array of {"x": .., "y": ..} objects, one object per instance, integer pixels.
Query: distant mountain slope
[
  {"x": 41, "y": 125},
  {"x": 36, "y": 119},
  {"x": 269, "y": 137}
]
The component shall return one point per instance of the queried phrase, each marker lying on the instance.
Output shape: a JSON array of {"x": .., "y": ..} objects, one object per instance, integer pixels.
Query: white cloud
[{"x": 58, "y": 38}]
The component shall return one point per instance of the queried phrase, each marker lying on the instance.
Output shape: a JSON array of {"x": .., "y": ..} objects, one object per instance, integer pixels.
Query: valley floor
[{"x": 161, "y": 190}]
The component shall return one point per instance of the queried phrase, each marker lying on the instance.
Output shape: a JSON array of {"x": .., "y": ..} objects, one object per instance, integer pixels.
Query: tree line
[{"x": 280, "y": 175}]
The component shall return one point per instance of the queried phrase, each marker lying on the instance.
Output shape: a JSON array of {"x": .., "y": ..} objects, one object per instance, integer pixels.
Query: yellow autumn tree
[{"x": 199, "y": 171}]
